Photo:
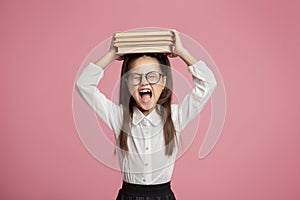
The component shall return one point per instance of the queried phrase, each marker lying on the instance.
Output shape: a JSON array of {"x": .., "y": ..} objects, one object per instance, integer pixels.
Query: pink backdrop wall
[{"x": 255, "y": 45}]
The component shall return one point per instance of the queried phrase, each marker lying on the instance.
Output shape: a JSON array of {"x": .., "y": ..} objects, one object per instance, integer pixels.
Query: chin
[{"x": 146, "y": 108}]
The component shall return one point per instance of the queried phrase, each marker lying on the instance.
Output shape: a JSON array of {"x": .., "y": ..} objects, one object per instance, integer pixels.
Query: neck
[{"x": 146, "y": 112}]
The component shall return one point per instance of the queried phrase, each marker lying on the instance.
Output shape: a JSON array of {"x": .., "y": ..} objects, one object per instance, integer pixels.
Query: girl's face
[{"x": 145, "y": 82}]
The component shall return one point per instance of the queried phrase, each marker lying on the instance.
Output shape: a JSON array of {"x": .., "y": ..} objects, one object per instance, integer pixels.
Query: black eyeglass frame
[{"x": 146, "y": 76}]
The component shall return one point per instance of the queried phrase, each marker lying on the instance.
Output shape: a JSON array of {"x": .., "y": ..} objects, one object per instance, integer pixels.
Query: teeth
[{"x": 145, "y": 90}]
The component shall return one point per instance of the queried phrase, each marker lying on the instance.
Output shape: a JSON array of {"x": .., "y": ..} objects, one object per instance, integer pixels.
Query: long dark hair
[{"x": 128, "y": 102}]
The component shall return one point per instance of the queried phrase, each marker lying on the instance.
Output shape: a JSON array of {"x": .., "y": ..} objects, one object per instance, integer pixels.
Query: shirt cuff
[
  {"x": 95, "y": 67},
  {"x": 201, "y": 71},
  {"x": 90, "y": 75}
]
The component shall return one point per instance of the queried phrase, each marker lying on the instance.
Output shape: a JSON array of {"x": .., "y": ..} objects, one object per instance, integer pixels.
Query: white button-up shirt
[{"x": 146, "y": 162}]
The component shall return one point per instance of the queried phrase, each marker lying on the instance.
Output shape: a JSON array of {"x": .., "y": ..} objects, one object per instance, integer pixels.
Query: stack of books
[{"x": 144, "y": 41}]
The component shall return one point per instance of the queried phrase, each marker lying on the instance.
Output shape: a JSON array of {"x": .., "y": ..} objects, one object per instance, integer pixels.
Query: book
[
  {"x": 144, "y": 41},
  {"x": 138, "y": 39},
  {"x": 144, "y": 49},
  {"x": 144, "y": 33}
]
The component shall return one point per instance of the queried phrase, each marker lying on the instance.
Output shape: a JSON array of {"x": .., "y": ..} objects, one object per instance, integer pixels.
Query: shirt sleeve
[
  {"x": 194, "y": 102},
  {"x": 86, "y": 85}
]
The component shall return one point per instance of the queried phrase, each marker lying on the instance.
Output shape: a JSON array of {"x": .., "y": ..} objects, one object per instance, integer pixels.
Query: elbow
[
  {"x": 214, "y": 85},
  {"x": 79, "y": 85}
]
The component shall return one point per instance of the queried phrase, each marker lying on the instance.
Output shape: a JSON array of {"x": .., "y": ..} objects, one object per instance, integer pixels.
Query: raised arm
[
  {"x": 205, "y": 84},
  {"x": 86, "y": 85}
]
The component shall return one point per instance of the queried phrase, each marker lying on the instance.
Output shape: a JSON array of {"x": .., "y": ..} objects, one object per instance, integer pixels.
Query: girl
[{"x": 145, "y": 124}]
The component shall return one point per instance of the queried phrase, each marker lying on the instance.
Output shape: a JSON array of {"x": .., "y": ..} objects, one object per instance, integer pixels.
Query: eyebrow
[{"x": 135, "y": 72}]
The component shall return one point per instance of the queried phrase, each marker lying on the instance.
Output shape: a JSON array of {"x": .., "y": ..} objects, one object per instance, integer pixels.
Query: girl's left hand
[
  {"x": 178, "y": 47},
  {"x": 182, "y": 52}
]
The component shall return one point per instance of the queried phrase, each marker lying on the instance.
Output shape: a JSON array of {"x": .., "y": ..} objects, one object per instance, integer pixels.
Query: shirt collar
[{"x": 153, "y": 117}]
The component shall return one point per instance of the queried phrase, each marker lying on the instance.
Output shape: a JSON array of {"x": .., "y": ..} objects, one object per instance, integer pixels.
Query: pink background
[{"x": 255, "y": 45}]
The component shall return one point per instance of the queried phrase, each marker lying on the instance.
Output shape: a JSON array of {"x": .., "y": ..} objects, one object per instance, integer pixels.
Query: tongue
[{"x": 146, "y": 98}]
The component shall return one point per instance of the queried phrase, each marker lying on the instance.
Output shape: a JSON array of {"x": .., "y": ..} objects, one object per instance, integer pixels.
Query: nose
[{"x": 144, "y": 80}]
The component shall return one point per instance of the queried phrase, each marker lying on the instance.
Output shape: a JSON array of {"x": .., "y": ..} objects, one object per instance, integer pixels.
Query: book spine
[
  {"x": 140, "y": 39},
  {"x": 157, "y": 49},
  {"x": 143, "y": 43},
  {"x": 143, "y": 33}
]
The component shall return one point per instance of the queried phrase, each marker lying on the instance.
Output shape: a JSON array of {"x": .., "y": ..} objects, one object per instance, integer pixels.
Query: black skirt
[{"x": 131, "y": 191}]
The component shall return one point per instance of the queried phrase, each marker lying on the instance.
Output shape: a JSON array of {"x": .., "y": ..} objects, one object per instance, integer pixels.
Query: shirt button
[
  {"x": 147, "y": 148},
  {"x": 146, "y": 164},
  {"x": 145, "y": 122},
  {"x": 144, "y": 180}
]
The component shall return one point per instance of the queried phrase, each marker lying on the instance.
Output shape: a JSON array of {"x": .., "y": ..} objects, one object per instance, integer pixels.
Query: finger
[
  {"x": 175, "y": 32},
  {"x": 171, "y": 55},
  {"x": 120, "y": 57}
]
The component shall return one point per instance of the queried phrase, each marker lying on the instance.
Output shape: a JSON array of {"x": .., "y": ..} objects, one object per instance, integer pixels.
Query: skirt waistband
[{"x": 146, "y": 188}]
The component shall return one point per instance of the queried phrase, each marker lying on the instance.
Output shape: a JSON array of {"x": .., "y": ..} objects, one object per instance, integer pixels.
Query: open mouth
[{"x": 146, "y": 95}]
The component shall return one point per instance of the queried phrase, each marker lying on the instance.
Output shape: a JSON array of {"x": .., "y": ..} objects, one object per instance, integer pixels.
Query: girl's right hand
[
  {"x": 109, "y": 57},
  {"x": 113, "y": 51}
]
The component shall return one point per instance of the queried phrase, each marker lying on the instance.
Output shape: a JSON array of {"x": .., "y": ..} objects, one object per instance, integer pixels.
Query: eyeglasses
[{"x": 152, "y": 77}]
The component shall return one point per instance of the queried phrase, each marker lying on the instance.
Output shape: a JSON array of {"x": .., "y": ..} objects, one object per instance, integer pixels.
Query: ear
[{"x": 164, "y": 80}]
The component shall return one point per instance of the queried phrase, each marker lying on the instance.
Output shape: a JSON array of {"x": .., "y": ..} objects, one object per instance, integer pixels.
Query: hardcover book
[{"x": 144, "y": 41}]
